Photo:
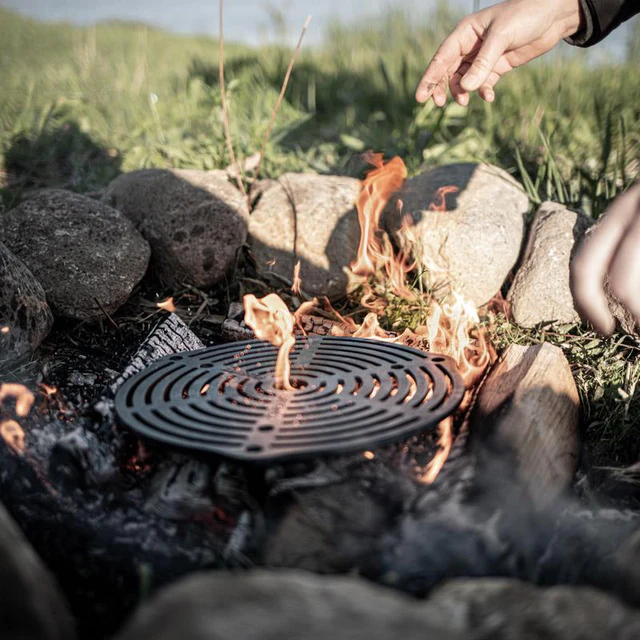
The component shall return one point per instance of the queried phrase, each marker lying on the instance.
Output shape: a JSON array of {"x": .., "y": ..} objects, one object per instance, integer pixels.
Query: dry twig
[
  {"x": 283, "y": 90},
  {"x": 225, "y": 110}
]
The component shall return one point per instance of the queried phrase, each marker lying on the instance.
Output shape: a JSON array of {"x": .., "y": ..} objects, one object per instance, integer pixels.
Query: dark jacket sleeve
[{"x": 600, "y": 18}]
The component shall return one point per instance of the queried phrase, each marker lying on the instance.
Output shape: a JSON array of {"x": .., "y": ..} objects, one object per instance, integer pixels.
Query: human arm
[{"x": 487, "y": 44}]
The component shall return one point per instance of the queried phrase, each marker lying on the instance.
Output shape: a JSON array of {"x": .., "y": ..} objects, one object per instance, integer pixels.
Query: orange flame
[
  {"x": 379, "y": 185},
  {"x": 23, "y": 397},
  {"x": 271, "y": 320},
  {"x": 167, "y": 305},
  {"x": 452, "y": 328},
  {"x": 441, "y": 195},
  {"x": 13, "y": 435}
]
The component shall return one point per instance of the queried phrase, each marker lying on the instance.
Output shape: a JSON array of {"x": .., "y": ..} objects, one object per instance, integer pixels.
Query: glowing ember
[
  {"x": 49, "y": 391},
  {"x": 13, "y": 435},
  {"x": 379, "y": 185},
  {"x": 369, "y": 455},
  {"x": 23, "y": 397},
  {"x": 167, "y": 305},
  {"x": 297, "y": 281},
  {"x": 271, "y": 320},
  {"x": 4, "y": 329},
  {"x": 302, "y": 310}
]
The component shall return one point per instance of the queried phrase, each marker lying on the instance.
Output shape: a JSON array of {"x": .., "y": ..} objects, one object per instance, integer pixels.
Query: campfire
[
  {"x": 383, "y": 438},
  {"x": 450, "y": 328}
]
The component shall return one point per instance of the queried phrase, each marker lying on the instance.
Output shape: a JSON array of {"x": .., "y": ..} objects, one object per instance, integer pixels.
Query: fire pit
[{"x": 350, "y": 395}]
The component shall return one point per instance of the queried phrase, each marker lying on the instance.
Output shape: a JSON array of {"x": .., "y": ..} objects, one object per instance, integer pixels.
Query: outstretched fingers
[
  {"x": 444, "y": 62},
  {"x": 496, "y": 43}
]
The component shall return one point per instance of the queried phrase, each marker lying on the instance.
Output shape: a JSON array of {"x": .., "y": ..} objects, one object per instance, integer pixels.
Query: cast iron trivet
[{"x": 352, "y": 394}]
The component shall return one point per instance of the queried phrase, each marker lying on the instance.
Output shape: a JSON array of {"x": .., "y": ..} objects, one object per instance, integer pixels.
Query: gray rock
[
  {"x": 195, "y": 221},
  {"x": 541, "y": 289},
  {"x": 25, "y": 317},
  {"x": 290, "y": 605},
  {"x": 473, "y": 245},
  {"x": 80, "y": 251},
  {"x": 349, "y": 513},
  {"x": 310, "y": 218},
  {"x": 500, "y": 609},
  {"x": 31, "y": 605}
]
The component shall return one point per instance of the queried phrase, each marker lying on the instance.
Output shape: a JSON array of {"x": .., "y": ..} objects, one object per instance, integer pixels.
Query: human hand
[
  {"x": 611, "y": 251},
  {"x": 487, "y": 44}
]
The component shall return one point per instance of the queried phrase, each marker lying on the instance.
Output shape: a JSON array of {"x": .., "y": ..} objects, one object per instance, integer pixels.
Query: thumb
[{"x": 486, "y": 59}]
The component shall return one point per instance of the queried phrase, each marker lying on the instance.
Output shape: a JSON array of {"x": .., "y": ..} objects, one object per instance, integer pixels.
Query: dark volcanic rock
[
  {"x": 471, "y": 239},
  {"x": 499, "y": 609},
  {"x": 311, "y": 219},
  {"x": 283, "y": 605},
  {"x": 25, "y": 317},
  {"x": 84, "y": 253},
  {"x": 195, "y": 221},
  {"x": 31, "y": 605}
]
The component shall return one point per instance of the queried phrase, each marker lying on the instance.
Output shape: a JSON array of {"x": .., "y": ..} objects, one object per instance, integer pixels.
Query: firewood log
[{"x": 528, "y": 411}]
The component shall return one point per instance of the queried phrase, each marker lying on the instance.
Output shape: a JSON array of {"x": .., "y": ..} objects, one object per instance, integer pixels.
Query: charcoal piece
[
  {"x": 180, "y": 489},
  {"x": 79, "y": 459}
]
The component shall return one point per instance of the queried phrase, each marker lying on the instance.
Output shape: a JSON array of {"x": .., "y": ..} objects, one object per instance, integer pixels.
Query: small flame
[
  {"x": 49, "y": 391},
  {"x": 23, "y": 397},
  {"x": 369, "y": 455},
  {"x": 297, "y": 281},
  {"x": 379, "y": 185},
  {"x": 167, "y": 305},
  {"x": 13, "y": 435},
  {"x": 5, "y": 329},
  {"x": 271, "y": 320},
  {"x": 441, "y": 195}
]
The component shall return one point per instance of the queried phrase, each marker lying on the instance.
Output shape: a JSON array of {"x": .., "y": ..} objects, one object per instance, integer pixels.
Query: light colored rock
[
  {"x": 292, "y": 605},
  {"x": 473, "y": 245},
  {"x": 503, "y": 609},
  {"x": 31, "y": 605},
  {"x": 81, "y": 251},
  {"x": 25, "y": 317},
  {"x": 541, "y": 289},
  {"x": 195, "y": 221},
  {"x": 310, "y": 218}
]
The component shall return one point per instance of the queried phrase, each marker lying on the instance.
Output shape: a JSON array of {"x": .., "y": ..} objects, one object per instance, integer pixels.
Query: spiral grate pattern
[{"x": 351, "y": 394}]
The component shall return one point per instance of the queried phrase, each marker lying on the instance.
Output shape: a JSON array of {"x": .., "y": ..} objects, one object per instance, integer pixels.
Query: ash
[{"x": 115, "y": 518}]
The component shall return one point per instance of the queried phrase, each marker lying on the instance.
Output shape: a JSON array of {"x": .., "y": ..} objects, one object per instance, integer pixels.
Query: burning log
[{"x": 528, "y": 412}]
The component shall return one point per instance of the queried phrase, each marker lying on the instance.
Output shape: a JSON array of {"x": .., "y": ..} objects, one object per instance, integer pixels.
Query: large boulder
[
  {"x": 195, "y": 221},
  {"x": 311, "y": 219},
  {"x": 271, "y": 605},
  {"x": 31, "y": 604},
  {"x": 469, "y": 239},
  {"x": 25, "y": 317},
  {"x": 541, "y": 289},
  {"x": 87, "y": 256},
  {"x": 502, "y": 609}
]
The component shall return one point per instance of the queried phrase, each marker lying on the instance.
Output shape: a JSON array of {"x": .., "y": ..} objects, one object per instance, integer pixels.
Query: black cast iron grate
[{"x": 352, "y": 394}]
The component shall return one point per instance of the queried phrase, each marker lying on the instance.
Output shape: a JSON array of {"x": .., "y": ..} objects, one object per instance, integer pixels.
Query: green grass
[{"x": 80, "y": 105}]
